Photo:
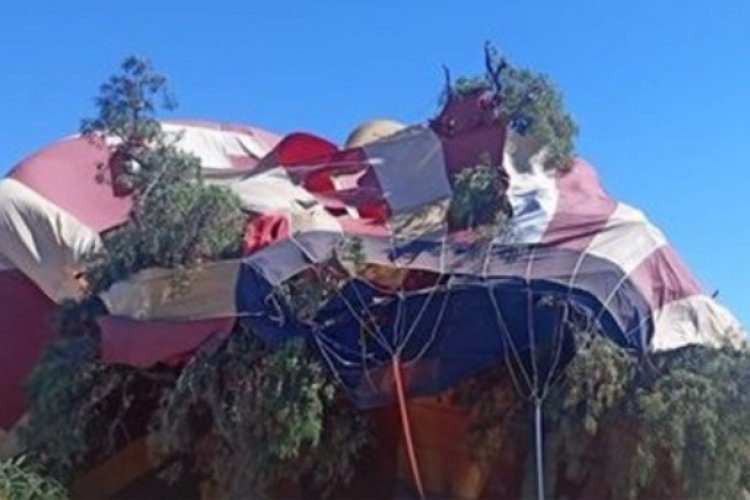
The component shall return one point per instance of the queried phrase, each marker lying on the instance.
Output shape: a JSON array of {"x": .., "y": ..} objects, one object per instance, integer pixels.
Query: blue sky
[{"x": 660, "y": 89}]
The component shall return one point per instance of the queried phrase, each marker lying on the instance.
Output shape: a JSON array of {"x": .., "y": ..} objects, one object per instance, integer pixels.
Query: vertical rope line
[
  {"x": 605, "y": 304},
  {"x": 406, "y": 427},
  {"x": 435, "y": 327},
  {"x": 530, "y": 324},
  {"x": 560, "y": 330},
  {"x": 377, "y": 334},
  {"x": 324, "y": 352},
  {"x": 538, "y": 438},
  {"x": 535, "y": 375},
  {"x": 560, "y": 339},
  {"x": 382, "y": 338},
  {"x": 398, "y": 327},
  {"x": 507, "y": 338},
  {"x": 433, "y": 292}
]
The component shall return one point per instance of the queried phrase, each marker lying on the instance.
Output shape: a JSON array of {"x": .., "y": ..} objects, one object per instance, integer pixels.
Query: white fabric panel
[
  {"x": 280, "y": 261},
  {"x": 42, "y": 241},
  {"x": 348, "y": 181},
  {"x": 207, "y": 291},
  {"x": 695, "y": 320},
  {"x": 626, "y": 239},
  {"x": 412, "y": 173},
  {"x": 272, "y": 191},
  {"x": 214, "y": 147},
  {"x": 532, "y": 193}
]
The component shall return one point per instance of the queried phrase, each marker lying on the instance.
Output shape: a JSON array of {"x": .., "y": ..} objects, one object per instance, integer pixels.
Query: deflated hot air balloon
[{"x": 409, "y": 260}]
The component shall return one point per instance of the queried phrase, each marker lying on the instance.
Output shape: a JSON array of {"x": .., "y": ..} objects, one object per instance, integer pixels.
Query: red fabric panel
[
  {"x": 263, "y": 231},
  {"x": 25, "y": 328},
  {"x": 145, "y": 343},
  {"x": 373, "y": 208},
  {"x": 301, "y": 149},
  {"x": 312, "y": 162}
]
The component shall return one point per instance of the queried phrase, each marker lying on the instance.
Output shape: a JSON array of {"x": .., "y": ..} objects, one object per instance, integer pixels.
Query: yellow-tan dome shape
[{"x": 371, "y": 131}]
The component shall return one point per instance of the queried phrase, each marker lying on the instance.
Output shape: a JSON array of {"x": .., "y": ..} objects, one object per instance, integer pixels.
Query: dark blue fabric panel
[{"x": 439, "y": 337}]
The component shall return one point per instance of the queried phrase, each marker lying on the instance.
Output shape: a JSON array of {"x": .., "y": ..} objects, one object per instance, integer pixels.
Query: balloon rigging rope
[
  {"x": 433, "y": 292},
  {"x": 551, "y": 379},
  {"x": 530, "y": 326},
  {"x": 402, "y": 342},
  {"x": 377, "y": 334},
  {"x": 511, "y": 351},
  {"x": 406, "y": 426},
  {"x": 436, "y": 326},
  {"x": 372, "y": 327},
  {"x": 326, "y": 355},
  {"x": 509, "y": 346}
]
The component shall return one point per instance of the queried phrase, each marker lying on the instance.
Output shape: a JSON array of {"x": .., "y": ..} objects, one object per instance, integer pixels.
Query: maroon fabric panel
[
  {"x": 469, "y": 131},
  {"x": 583, "y": 209},
  {"x": 74, "y": 175},
  {"x": 663, "y": 278},
  {"x": 145, "y": 343},
  {"x": 70, "y": 175},
  {"x": 25, "y": 328}
]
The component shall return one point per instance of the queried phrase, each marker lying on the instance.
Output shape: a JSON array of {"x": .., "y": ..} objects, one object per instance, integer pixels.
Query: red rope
[{"x": 406, "y": 425}]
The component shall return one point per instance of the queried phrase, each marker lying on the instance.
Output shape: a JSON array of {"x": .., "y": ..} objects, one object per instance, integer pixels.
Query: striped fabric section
[
  {"x": 53, "y": 207},
  {"x": 443, "y": 302},
  {"x": 571, "y": 240},
  {"x": 573, "y": 234}
]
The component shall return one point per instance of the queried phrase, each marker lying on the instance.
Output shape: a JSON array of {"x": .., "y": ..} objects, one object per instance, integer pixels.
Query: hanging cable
[
  {"x": 538, "y": 439},
  {"x": 406, "y": 427}
]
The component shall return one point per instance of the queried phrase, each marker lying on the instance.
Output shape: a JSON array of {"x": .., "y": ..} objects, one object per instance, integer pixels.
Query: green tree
[
  {"x": 20, "y": 480},
  {"x": 271, "y": 411},
  {"x": 679, "y": 421}
]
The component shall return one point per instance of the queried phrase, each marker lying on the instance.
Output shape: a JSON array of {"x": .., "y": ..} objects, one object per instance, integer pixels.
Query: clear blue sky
[{"x": 661, "y": 89}]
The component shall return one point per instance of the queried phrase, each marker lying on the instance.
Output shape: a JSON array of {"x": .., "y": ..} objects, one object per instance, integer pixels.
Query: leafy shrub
[
  {"x": 259, "y": 419},
  {"x": 21, "y": 480},
  {"x": 680, "y": 420},
  {"x": 529, "y": 102}
]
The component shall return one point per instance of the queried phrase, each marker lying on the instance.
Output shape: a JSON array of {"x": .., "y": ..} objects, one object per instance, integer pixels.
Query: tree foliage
[
  {"x": 529, "y": 102},
  {"x": 176, "y": 219},
  {"x": 256, "y": 420},
  {"x": 247, "y": 416},
  {"x": 671, "y": 424},
  {"x": 21, "y": 480},
  {"x": 478, "y": 198},
  {"x": 259, "y": 420}
]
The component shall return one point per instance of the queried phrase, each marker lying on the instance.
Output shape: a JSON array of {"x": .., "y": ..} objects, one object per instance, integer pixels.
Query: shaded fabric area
[
  {"x": 444, "y": 333},
  {"x": 25, "y": 328}
]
